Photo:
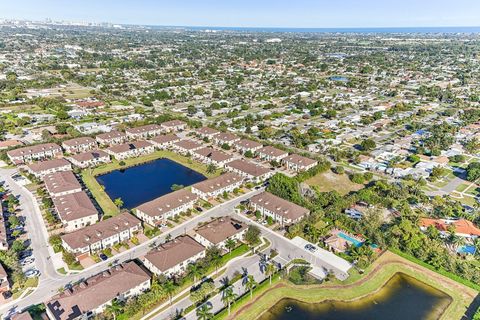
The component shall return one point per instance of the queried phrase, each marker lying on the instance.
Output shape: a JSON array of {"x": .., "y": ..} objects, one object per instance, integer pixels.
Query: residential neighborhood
[{"x": 154, "y": 172}]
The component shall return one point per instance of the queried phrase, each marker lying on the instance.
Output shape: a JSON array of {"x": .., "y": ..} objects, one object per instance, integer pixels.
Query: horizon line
[{"x": 244, "y": 27}]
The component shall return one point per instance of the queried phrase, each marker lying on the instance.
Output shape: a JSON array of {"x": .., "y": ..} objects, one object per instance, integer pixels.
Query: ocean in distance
[{"x": 405, "y": 30}]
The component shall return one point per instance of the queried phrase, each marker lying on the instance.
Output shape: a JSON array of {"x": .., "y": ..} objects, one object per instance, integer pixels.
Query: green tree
[
  {"x": 250, "y": 284},
  {"x": 194, "y": 271},
  {"x": 118, "y": 202},
  {"x": 114, "y": 308},
  {"x": 211, "y": 168},
  {"x": 230, "y": 244},
  {"x": 228, "y": 297},
  {"x": 473, "y": 171},
  {"x": 368, "y": 144},
  {"x": 169, "y": 288},
  {"x": 252, "y": 235},
  {"x": 204, "y": 312},
  {"x": 270, "y": 271},
  {"x": 56, "y": 242}
]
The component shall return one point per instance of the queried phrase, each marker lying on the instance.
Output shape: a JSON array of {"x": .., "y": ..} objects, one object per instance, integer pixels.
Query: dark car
[
  {"x": 199, "y": 209},
  {"x": 25, "y": 254},
  {"x": 103, "y": 256}
]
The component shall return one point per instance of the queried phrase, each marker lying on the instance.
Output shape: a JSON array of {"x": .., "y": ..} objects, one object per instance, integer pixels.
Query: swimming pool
[
  {"x": 466, "y": 249},
  {"x": 355, "y": 242}
]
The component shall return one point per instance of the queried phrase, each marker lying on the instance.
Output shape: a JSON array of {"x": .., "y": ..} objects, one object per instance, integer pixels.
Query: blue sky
[{"x": 253, "y": 13}]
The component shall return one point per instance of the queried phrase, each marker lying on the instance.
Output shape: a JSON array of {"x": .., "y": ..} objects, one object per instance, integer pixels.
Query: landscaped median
[
  {"x": 356, "y": 287},
  {"x": 104, "y": 201},
  {"x": 215, "y": 272}
]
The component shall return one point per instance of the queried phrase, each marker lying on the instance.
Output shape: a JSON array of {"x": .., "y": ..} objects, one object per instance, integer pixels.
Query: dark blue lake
[{"x": 145, "y": 182}]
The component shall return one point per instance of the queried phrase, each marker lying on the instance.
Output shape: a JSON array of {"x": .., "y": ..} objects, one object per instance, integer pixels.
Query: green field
[
  {"x": 329, "y": 181},
  {"x": 104, "y": 201}
]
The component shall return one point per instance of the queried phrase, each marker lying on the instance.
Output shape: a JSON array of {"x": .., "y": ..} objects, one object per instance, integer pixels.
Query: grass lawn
[
  {"x": 357, "y": 287},
  {"x": 462, "y": 187},
  {"x": 104, "y": 201},
  {"x": 238, "y": 251},
  {"x": 329, "y": 181}
]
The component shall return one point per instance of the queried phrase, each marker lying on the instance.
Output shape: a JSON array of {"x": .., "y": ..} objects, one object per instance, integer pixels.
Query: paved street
[
  {"x": 50, "y": 281},
  {"x": 250, "y": 264}
]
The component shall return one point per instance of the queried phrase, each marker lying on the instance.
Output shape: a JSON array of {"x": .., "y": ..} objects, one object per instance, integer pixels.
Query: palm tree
[
  {"x": 211, "y": 168},
  {"x": 457, "y": 241},
  {"x": 169, "y": 288},
  {"x": 118, "y": 202},
  {"x": 270, "y": 270},
  {"x": 476, "y": 244},
  {"x": 115, "y": 308},
  {"x": 203, "y": 312},
  {"x": 250, "y": 283},
  {"x": 195, "y": 271},
  {"x": 156, "y": 288},
  {"x": 228, "y": 297},
  {"x": 230, "y": 244}
]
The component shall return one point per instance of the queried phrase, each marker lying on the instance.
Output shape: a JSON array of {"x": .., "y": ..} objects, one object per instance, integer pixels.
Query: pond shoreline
[
  {"x": 376, "y": 276},
  {"x": 370, "y": 295}
]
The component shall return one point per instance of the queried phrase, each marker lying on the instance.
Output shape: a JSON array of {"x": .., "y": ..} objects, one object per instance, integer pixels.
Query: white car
[{"x": 31, "y": 273}]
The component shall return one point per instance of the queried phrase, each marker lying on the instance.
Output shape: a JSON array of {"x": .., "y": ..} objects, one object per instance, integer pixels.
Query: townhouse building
[
  {"x": 144, "y": 132},
  {"x": 33, "y": 153},
  {"x": 209, "y": 155},
  {"x": 185, "y": 147},
  {"x": 130, "y": 149},
  {"x": 269, "y": 153},
  {"x": 281, "y": 210},
  {"x": 157, "y": 211},
  {"x": 75, "y": 210},
  {"x": 89, "y": 159},
  {"x": 173, "y": 126},
  {"x": 111, "y": 138},
  {"x": 249, "y": 170},
  {"x": 215, "y": 187},
  {"x": 78, "y": 145},
  {"x": 218, "y": 231},
  {"x": 173, "y": 257},
  {"x": 206, "y": 132},
  {"x": 42, "y": 168},
  {"x": 245, "y": 145},
  {"x": 91, "y": 296},
  {"x": 164, "y": 141},
  {"x": 298, "y": 163},
  {"x": 61, "y": 183},
  {"x": 226, "y": 138},
  {"x": 101, "y": 235}
]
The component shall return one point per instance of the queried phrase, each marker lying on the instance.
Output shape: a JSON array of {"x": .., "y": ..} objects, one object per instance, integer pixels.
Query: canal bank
[{"x": 357, "y": 287}]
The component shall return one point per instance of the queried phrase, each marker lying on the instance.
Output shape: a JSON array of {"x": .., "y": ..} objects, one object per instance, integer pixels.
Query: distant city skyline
[{"x": 249, "y": 13}]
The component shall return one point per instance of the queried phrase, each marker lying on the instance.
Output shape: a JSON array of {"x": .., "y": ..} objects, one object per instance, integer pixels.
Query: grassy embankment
[
  {"x": 354, "y": 288},
  {"x": 104, "y": 201}
]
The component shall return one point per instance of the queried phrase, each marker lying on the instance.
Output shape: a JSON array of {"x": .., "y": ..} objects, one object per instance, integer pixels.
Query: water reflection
[{"x": 402, "y": 297}]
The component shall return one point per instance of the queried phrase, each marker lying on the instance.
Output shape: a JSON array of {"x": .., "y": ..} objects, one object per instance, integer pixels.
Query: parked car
[
  {"x": 25, "y": 254},
  {"x": 103, "y": 256},
  {"x": 199, "y": 209},
  {"x": 31, "y": 273},
  {"x": 310, "y": 248},
  {"x": 26, "y": 261}
]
